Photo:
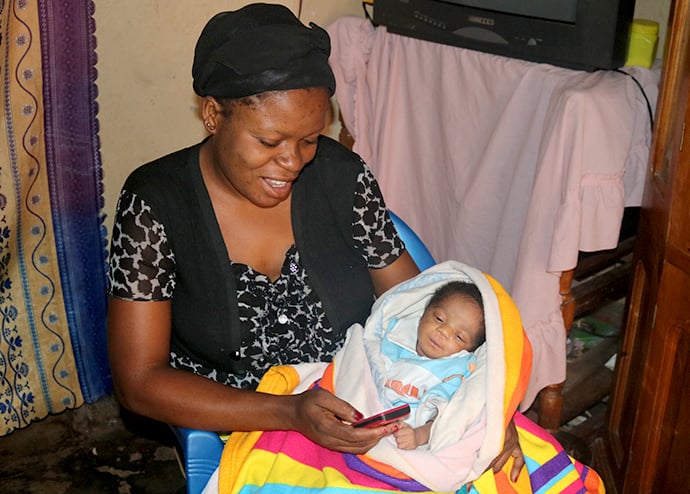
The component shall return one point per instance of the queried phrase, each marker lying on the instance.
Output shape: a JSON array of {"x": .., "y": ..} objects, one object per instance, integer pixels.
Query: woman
[{"x": 235, "y": 254}]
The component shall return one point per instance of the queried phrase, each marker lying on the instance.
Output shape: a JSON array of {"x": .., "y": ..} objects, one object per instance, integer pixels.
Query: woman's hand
[
  {"x": 511, "y": 447},
  {"x": 325, "y": 418}
]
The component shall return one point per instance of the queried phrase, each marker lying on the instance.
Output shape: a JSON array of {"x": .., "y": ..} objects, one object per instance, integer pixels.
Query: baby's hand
[{"x": 405, "y": 436}]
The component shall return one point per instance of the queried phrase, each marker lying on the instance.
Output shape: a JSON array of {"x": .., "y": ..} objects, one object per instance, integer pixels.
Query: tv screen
[{"x": 578, "y": 34}]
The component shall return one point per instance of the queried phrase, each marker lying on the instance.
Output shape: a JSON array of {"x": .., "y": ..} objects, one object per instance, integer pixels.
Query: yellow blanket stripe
[{"x": 279, "y": 380}]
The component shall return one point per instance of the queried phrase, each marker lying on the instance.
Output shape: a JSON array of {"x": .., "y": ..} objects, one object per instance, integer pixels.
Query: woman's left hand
[{"x": 511, "y": 447}]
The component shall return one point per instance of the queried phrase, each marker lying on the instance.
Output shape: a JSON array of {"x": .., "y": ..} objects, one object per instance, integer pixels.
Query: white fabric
[
  {"x": 467, "y": 434},
  {"x": 506, "y": 165}
]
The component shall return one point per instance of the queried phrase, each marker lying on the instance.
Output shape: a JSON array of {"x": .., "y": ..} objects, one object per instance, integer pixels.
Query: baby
[{"x": 450, "y": 328}]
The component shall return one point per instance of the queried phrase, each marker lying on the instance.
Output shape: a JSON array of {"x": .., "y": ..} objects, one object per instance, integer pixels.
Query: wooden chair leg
[
  {"x": 550, "y": 407},
  {"x": 567, "y": 299},
  {"x": 344, "y": 137},
  {"x": 550, "y": 399}
]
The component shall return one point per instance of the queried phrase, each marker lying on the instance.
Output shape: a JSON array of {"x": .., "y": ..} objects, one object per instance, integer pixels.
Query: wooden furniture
[
  {"x": 645, "y": 446},
  {"x": 599, "y": 278}
]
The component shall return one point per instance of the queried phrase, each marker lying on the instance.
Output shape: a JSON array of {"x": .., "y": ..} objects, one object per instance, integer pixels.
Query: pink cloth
[{"x": 506, "y": 165}]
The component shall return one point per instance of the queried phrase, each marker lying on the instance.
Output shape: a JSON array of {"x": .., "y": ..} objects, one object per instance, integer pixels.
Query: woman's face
[
  {"x": 452, "y": 325},
  {"x": 261, "y": 147}
]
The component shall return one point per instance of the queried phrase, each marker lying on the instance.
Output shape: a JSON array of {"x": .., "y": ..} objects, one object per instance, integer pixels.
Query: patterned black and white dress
[{"x": 282, "y": 321}]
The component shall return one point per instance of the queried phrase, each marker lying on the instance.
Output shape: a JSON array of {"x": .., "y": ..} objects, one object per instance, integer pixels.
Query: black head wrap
[{"x": 258, "y": 48}]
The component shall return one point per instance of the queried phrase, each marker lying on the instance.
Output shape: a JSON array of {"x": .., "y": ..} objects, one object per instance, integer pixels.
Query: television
[{"x": 577, "y": 34}]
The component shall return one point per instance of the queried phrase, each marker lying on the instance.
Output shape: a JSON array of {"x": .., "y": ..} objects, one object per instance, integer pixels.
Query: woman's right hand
[{"x": 325, "y": 418}]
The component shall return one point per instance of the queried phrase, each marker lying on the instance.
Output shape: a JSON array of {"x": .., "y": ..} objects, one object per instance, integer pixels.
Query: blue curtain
[{"x": 53, "y": 352}]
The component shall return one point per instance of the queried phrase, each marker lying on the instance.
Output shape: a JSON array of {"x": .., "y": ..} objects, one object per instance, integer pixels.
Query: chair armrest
[
  {"x": 202, "y": 451},
  {"x": 418, "y": 251}
]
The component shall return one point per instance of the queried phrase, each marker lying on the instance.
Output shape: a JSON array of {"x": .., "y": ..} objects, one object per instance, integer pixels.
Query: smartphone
[{"x": 383, "y": 418}]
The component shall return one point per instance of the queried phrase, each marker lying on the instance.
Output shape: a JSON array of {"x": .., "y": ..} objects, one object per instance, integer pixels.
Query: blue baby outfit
[{"x": 423, "y": 383}]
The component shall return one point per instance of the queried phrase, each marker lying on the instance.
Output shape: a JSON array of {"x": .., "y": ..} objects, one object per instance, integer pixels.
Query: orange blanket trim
[{"x": 520, "y": 356}]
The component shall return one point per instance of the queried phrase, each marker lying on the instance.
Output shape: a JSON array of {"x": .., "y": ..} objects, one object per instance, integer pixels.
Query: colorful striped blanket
[{"x": 471, "y": 433}]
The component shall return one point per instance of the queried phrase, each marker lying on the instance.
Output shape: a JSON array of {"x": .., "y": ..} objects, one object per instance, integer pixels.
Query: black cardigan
[{"x": 204, "y": 305}]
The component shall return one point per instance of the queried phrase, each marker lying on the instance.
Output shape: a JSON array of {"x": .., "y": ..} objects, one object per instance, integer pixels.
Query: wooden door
[{"x": 648, "y": 440}]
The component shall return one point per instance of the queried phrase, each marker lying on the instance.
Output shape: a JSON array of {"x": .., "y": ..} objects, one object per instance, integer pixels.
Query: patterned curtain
[{"x": 52, "y": 240}]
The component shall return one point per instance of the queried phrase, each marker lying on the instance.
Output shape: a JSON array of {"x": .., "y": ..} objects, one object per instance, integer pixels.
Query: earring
[{"x": 210, "y": 126}]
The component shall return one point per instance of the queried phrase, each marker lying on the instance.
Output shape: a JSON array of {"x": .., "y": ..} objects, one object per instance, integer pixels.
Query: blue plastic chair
[
  {"x": 202, "y": 449},
  {"x": 420, "y": 254},
  {"x": 201, "y": 452}
]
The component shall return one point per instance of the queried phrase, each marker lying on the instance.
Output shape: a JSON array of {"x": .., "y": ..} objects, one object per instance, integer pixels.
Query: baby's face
[{"x": 449, "y": 327}]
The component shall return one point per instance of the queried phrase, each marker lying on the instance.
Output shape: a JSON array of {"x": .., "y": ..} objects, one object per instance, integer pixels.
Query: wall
[
  {"x": 146, "y": 104},
  {"x": 656, "y": 10},
  {"x": 145, "y": 47}
]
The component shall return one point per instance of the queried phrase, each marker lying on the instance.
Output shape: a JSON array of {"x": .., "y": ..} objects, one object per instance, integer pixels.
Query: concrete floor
[{"x": 93, "y": 449}]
